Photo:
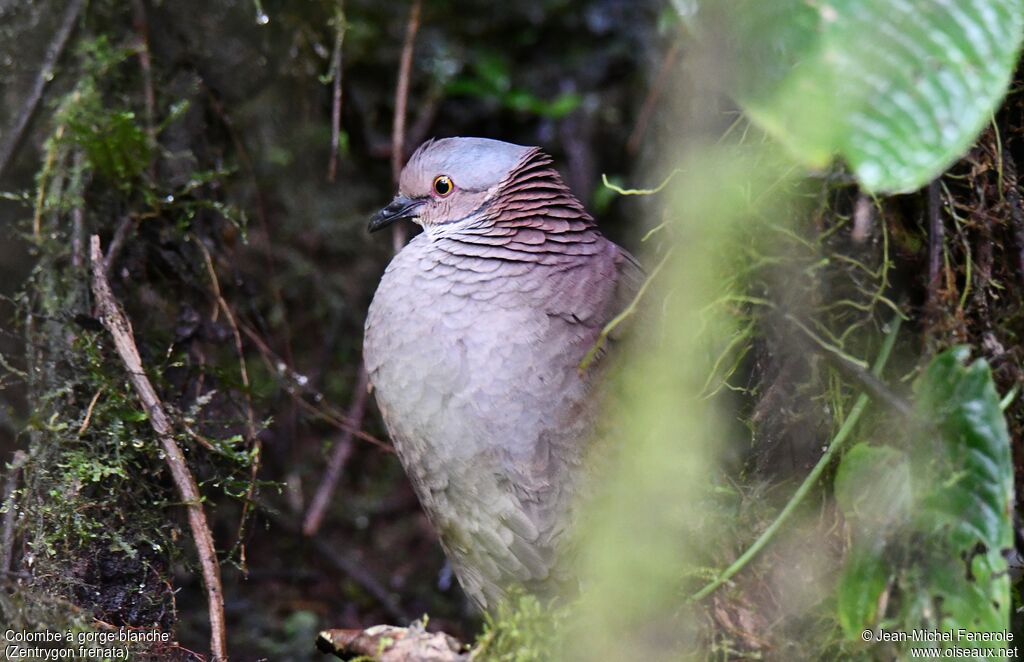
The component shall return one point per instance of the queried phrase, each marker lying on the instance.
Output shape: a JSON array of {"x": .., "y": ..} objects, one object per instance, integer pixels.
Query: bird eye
[{"x": 443, "y": 185}]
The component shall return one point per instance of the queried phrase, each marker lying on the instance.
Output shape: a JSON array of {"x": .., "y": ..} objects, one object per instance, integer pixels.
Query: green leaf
[
  {"x": 864, "y": 579},
  {"x": 873, "y": 487},
  {"x": 936, "y": 521},
  {"x": 898, "y": 88},
  {"x": 970, "y": 508}
]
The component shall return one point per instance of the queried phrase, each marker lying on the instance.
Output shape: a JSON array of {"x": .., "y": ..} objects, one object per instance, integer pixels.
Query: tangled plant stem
[{"x": 812, "y": 478}]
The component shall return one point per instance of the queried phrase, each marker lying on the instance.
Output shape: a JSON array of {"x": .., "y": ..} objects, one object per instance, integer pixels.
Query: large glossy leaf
[
  {"x": 970, "y": 505},
  {"x": 933, "y": 519},
  {"x": 898, "y": 88}
]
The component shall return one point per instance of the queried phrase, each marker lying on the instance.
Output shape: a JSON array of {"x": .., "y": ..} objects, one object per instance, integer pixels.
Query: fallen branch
[
  {"x": 812, "y": 478},
  {"x": 120, "y": 329},
  {"x": 387, "y": 643},
  {"x": 28, "y": 109}
]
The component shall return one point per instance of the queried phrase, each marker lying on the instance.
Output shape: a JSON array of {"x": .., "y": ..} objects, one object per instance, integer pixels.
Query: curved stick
[{"x": 115, "y": 321}]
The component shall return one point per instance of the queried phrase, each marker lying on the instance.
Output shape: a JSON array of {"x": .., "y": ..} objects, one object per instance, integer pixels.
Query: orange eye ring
[{"x": 443, "y": 185}]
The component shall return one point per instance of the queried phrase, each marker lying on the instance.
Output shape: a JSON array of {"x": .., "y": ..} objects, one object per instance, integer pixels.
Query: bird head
[{"x": 450, "y": 181}]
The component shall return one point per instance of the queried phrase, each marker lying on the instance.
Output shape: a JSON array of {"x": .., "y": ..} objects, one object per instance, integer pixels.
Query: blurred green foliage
[
  {"x": 899, "y": 89},
  {"x": 491, "y": 79}
]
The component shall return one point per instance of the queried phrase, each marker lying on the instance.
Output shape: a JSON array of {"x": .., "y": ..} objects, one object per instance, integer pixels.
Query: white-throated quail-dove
[{"x": 473, "y": 348}]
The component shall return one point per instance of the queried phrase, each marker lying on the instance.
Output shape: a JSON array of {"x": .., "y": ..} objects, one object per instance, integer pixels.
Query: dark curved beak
[{"x": 398, "y": 209}]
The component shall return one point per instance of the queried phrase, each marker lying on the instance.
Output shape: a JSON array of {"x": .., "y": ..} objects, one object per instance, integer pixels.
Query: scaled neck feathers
[
  {"x": 532, "y": 218},
  {"x": 533, "y": 195}
]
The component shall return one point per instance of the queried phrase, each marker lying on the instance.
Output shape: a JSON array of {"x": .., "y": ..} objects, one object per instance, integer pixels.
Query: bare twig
[
  {"x": 7, "y": 540},
  {"x": 936, "y": 243},
  {"x": 140, "y": 23},
  {"x": 222, "y": 305},
  {"x": 340, "y": 25},
  {"x": 863, "y": 216},
  {"x": 117, "y": 241},
  {"x": 78, "y": 215},
  {"x": 869, "y": 383},
  {"x": 88, "y": 412},
  {"x": 28, "y": 109},
  {"x": 401, "y": 101},
  {"x": 348, "y": 566},
  {"x": 261, "y": 214},
  {"x": 296, "y": 390},
  {"x": 250, "y": 418},
  {"x": 651, "y": 102},
  {"x": 120, "y": 329},
  {"x": 339, "y": 455},
  {"x": 1016, "y": 209}
]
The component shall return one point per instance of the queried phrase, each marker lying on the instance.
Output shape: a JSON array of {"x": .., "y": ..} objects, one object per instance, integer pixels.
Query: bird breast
[{"x": 464, "y": 362}]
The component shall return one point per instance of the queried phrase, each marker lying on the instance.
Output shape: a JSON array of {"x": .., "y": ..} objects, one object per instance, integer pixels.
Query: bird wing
[{"x": 540, "y": 485}]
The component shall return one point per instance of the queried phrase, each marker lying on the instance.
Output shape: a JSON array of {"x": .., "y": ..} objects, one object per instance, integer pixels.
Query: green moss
[
  {"x": 100, "y": 520},
  {"x": 523, "y": 630}
]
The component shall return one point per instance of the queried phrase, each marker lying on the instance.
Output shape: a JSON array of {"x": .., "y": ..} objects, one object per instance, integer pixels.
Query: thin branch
[
  {"x": 651, "y": 102},
  {"x": 28, "y": 109},
  {"x": 401, "y": 101},
  {"x": 120, "y": 329},
  {"x": 936, "y": 243},
  {"x": 7, "y": 539},
  {"x": 876, "y": 389},
  {"x": 250, "y": 417},
  {"x": 340, "y": 25},
  {"x": 117, "y": 241},
  {"x": 812, "y": 478},
  {"x": 1013, "y": 199},
  {"x": 261, "y": 214},
  {"x": 339, "y": 456},
  {"x": 140, "y": 23},
  {"x": 88, "y": 412},
  {"x": 348, "y": 566},
  {"x": 296, "y": 390},
  {"x": 78, "y": 214},
  {"x": 49, "y": 163}
]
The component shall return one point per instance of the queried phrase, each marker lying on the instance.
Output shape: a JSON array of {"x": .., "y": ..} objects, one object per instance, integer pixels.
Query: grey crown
[{"x": 473, "y": 347}]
